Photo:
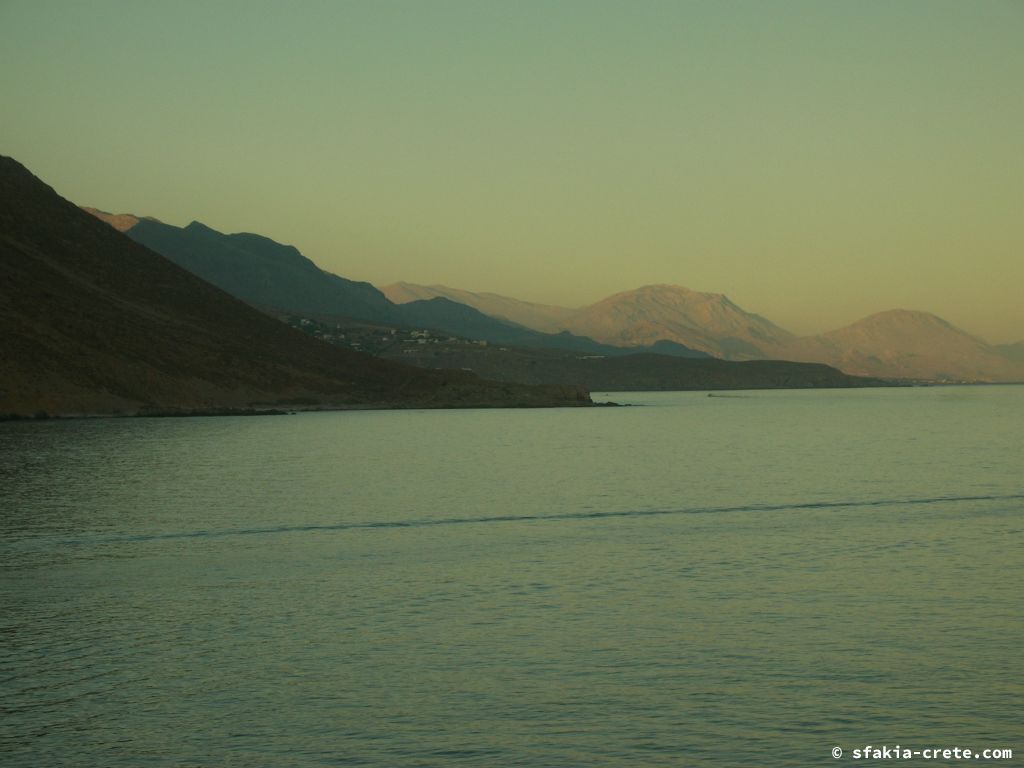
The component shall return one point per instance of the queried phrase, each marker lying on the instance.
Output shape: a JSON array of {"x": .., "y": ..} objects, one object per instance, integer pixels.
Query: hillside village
[{"x": 373, "y": 339}]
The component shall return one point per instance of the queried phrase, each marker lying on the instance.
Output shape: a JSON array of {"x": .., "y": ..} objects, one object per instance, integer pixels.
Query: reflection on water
[{"x": 520, "y": 587}]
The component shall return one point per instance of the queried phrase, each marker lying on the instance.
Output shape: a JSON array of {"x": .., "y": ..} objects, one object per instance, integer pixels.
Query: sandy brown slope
[
  {"x": 95, "y": 323},
  {"x": 122, "y": 222},
  {"x": 709, "y": 322},
  {"x": 906, "y": 344}
]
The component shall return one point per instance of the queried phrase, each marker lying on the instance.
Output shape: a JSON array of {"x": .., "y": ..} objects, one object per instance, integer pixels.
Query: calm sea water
[{"x": 743, "y": 580}]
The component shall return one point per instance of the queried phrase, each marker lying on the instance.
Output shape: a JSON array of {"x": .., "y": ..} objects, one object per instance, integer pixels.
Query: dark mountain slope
[
  {"x": 260, "y": 271},
  {"x": 93, "y": 322}
]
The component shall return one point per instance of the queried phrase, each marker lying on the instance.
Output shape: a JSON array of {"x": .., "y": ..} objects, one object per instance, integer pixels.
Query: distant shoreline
[
  {"x": 172, "y": 413},
  {"x": 164, "y": 413}
]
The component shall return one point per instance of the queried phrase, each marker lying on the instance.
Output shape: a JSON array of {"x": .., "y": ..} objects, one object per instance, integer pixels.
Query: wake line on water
[{"x": 373, "y": 525}]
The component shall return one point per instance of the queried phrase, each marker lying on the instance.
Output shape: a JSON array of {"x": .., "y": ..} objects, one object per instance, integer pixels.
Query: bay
[{"x": 747, "y": 579}]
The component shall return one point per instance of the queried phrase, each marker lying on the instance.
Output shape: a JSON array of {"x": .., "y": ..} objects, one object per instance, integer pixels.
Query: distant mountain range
[
  {"x": 896, "y": 344},
  {"x": 665, "y": 319},
  {"x": 270, "y": 275},
  {"x": 709, "y": 322},
  {"x": 92, "y": 322}
]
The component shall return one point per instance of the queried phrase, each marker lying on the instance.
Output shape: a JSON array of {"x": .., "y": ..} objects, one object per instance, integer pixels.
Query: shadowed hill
[
  {"x": 260, "y": 271},
  {"x": 94, "y": 323}
]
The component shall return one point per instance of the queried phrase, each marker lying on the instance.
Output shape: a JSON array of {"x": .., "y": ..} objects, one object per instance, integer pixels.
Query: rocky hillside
[
  {"x": 259, "y": 270},
  {"x": 705, "y": 321},
  {"x": 906, "y": 344},
  {"x": 94, "y": 323}
]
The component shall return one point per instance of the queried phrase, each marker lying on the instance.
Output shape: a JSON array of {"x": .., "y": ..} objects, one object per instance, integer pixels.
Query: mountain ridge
[{"x": 258, "y": 270}]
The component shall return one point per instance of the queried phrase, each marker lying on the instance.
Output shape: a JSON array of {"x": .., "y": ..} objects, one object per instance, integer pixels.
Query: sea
[{"x": 749, "y": 579}]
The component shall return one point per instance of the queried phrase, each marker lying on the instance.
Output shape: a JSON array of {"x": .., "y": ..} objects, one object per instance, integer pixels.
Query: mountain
[
  {"x": 94, "y": 323},
  {"x": 704, "y": 321},
  {"x": 906, "y": 344},
  {"x": 540, "y": 317},
  {"x": 270, "y": 275},
  {"x": 260, "y": 271}
]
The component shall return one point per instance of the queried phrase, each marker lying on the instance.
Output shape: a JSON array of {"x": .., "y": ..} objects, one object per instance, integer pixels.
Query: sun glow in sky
[{"x": 817, "y": 162}]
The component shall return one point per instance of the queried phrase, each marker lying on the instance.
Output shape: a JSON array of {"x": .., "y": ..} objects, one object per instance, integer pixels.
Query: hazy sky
[{"x": 816, "y": 161}]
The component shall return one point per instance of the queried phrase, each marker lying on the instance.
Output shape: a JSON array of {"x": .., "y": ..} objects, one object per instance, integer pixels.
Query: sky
[{"x": 814, "y": 161}]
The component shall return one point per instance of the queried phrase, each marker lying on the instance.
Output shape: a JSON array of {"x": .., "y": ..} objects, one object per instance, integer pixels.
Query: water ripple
[{"x": 476, "y": 520}]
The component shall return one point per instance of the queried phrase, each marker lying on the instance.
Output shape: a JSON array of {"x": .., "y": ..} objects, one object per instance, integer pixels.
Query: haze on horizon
[{"x": 817, "y": 162}]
